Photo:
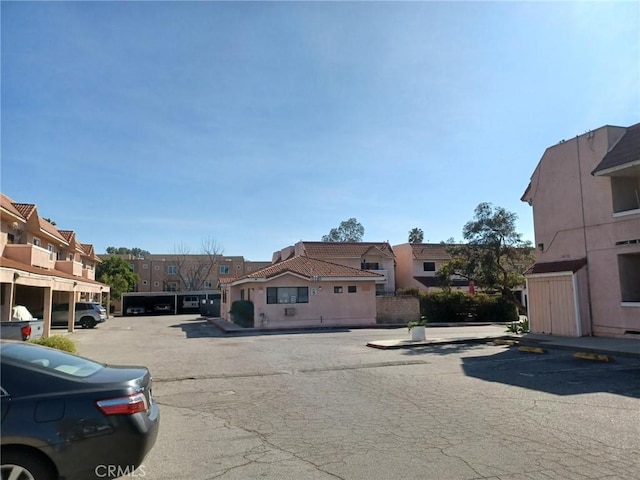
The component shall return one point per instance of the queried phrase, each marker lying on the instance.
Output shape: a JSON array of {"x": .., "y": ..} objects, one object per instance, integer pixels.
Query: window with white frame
[
  {"x": 429, "y": 266},
  {"x": 224, "y": 269},
  {"x": 36, "y": 241},
  {"x": 287, "y": 294},
  {"x": 172, "y": 269},
  {"x": 207, "y": 284}
]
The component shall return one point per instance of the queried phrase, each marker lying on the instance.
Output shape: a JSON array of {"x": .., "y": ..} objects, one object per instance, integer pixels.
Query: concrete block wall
[{"x": 397, "y": 309}]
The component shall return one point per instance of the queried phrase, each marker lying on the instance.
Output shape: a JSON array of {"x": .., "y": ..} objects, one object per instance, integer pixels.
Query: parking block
[
  {"x": 532, "y": 349},
  {"x": 594, "y": 356}
]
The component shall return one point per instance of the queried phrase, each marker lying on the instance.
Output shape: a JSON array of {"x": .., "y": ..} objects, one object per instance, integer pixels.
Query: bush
[
  {"x": 410, "y": 292},
  {"x": 422, "y": 323},
  {"x": 445, "y": 306},
  {"x": 521, "y": 326},
  {"x": 57, "y": 341},
  {"x": 242, "y": 313},
  {"x": 457, "y": 306}
]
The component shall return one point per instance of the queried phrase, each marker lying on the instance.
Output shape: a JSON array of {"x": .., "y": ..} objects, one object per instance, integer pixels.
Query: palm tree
[{"x": 416, "y": 235}]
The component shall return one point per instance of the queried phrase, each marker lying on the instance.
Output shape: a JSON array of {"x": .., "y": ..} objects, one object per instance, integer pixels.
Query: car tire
[
  {"x": 25, "y": 466},
  {"x": 87, "y": 322}
]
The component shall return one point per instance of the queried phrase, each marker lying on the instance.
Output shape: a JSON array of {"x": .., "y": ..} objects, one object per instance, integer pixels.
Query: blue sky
[{"x": 151, "y": 124}]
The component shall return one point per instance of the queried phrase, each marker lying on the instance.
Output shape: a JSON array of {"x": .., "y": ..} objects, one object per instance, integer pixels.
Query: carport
[{"x": 38, "y": 289}]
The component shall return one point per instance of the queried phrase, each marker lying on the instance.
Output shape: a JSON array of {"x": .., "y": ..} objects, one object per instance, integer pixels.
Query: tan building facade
[
  {"x": 585, "y": 194},
  {"x": 182, "y": 273},
  {"x": 376, "y": 257},
  {"x": 417, "y": 266},
  {"x": 41, "y": 265}
]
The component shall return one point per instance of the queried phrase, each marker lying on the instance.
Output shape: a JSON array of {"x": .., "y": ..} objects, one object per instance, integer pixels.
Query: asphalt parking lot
[{"x": 324, "y": 406}]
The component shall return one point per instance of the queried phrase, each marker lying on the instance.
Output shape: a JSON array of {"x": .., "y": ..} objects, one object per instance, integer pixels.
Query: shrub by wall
[
  {"x": 445, "y": 306},
  {"x": 495, "y": 309},
  {"x": 242, "y": 312},
  {"x": 456, "y": 306}
]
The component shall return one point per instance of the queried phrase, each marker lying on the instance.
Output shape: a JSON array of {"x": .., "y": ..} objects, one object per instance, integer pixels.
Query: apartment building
[
  {"x": 376, "y": 257},
  {"x": 585, "y": 194},
  {"x": 41, "y": 265}
]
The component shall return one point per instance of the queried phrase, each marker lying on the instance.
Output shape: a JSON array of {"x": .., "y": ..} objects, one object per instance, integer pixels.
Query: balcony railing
[
  {"x": 89, "y": 273},
  {"x": 30, "y": 255},
  {"x": 381, "y": 272},
  {"x": 70, "y": 267}
]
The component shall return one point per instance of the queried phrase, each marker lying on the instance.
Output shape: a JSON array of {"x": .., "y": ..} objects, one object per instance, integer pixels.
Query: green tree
[
  {"x": 495, "y": 255},
  {"x": 349, "y": 231},
  {"x": 416, "y": 235},
  {"x": 116, "y": 272},
  {"x": 136, "y": 252}
]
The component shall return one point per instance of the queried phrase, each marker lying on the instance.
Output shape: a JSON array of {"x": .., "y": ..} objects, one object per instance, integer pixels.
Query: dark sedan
[{"x": 69, "y": 417}]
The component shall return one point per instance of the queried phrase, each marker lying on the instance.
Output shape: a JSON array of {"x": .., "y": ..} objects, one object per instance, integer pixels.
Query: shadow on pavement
[
  {"x": 201, "y": 328},
  {"x": 198, "y": 329},
  {"x": 556, "y": 373},
  {"x": 443, "y": 349}
]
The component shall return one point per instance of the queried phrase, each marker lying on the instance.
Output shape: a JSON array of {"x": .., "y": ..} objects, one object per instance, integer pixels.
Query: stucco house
[
  {"x": 417, "y": 265},
  {"x": 585, "y": 194},
  {"x": 41, "y": 265},
  {"x": 304, "y": 291},
  {"x": 377, "y": 257}
]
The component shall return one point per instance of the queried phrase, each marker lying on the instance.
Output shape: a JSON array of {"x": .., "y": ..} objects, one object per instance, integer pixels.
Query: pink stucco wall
[
  {"x": 573, "y": 218},
  {"x": 324, "y": 307}
]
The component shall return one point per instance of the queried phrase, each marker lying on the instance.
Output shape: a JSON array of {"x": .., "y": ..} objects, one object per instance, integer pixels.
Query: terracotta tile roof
[
  {"x": 50, "y": 229},
  {"x": 8, "y": 205},
  {"x": 347, "y": 249},
  {"x": 556, "y": 267},
  {"x": 311, "y": 267},
  {"x": 89, "y": 251},
  {"x": 70, "y": 237},
  {"x": 430, "y": 251},
  {"x": 67, "y": 234},
  {"x": 626, "y": 150},
  {"x": 25, "y": 209},
  {"x": 8, "y": 263}
]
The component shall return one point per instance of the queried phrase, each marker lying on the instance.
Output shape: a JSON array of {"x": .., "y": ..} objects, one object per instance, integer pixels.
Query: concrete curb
[
  {"x": 577, "y": 349},
  {"x": 230, "y": 328},
  {"x": 509, "y": 340},
  {"x": 398, "y": 344}
]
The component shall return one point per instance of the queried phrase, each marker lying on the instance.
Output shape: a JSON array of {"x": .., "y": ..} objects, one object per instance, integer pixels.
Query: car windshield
[{"x": 49, "y": 359}]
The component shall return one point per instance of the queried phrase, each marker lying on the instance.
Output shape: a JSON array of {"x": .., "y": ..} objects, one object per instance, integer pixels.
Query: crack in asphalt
[{"x": 215, "y": 376}]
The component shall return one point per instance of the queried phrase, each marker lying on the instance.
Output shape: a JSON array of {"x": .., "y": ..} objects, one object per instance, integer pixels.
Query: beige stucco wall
[
  {"x": 324, "y": 308},
  {"x": 404, "y": 266}
]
